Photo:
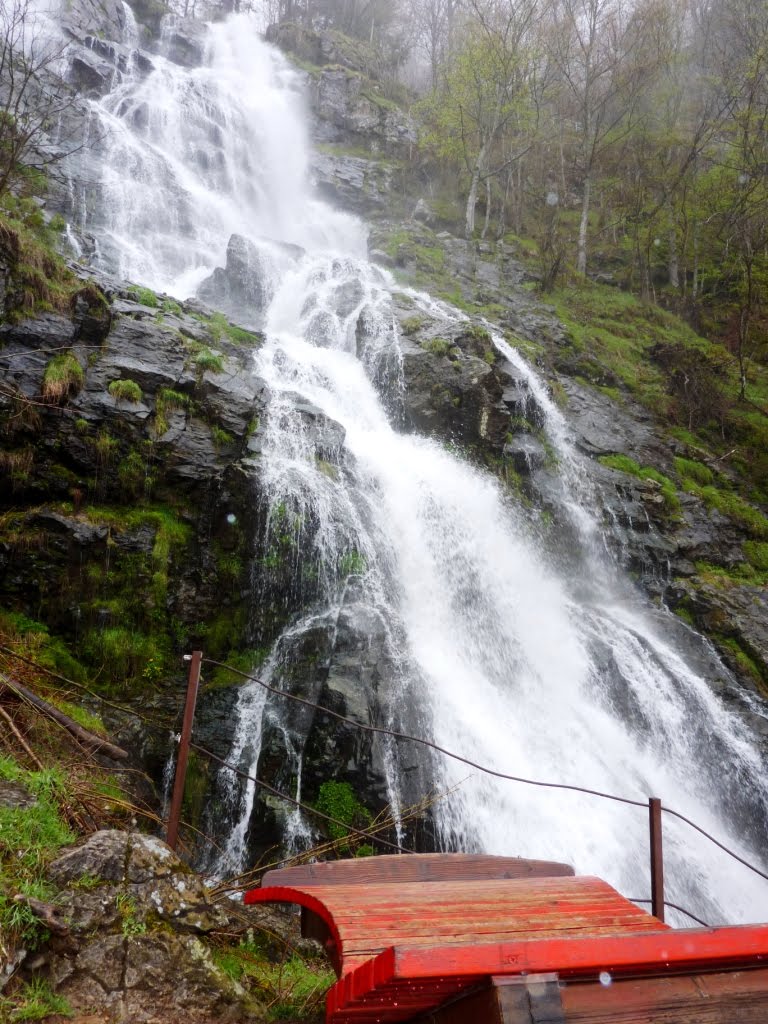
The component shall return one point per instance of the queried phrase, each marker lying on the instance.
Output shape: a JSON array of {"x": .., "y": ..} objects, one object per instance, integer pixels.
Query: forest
[{"x": 626, "y": 140}]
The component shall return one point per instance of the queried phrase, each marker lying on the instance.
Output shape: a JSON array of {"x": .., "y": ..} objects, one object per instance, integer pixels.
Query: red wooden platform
[{"x": 493, "y": 948}]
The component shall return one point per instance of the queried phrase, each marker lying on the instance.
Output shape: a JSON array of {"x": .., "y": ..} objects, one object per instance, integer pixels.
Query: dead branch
[
  {"x": 22, "y": 742},
  {"x": 96, "y": 743}
]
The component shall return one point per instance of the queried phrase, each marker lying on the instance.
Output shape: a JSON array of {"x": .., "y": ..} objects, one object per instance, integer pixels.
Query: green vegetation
[
  {"x": 733, "y": 506},
  {"x": 221, "y": 328},
  {"x": 353, "y": 563},
  {"x": 30, "y": 837},
  {"x": 146, "y": 297},
  {"x": 743, "y": 659},
  {"x": 125, "y": 391},
  {"x": 437, "y": 346},
  {"x": 624, "y": 464},
  {"x": 131, "y": 924},
  {"x": 208, "y": 361},
  {"x": 757, "y": 555},
  {"x": 39, "y": 279},
  {"x": 291, "y": 988},
  {"x": 63, "y": 377},
  {"x": 696, "y": 472},
  {"x": 220, "y": 436},
  {"x": 124, "y": 640},
  {"x": 412, "y": 325},
  {"x": 338, "y": 800},
  {"x": 166, "y": 401},
  {"x": 38, "y": 1001}
]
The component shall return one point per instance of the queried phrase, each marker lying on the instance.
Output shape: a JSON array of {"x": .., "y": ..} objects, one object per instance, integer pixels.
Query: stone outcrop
[
  {"x": 135, "y": 920},
  {"x": 244, "y": 287}
]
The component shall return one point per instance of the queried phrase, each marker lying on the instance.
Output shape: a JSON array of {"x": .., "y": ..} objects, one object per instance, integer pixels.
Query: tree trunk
[
  {"x": 581, "y": 262},
  {"x": 488, "y": 202},
  {"x": 473, "y": 189},
  {"x": 673, "y": 261}
]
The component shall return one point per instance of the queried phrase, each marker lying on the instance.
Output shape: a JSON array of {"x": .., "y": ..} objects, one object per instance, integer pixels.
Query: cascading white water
[
  {"x": 509, "y": 661},
  {"x": 191, "y": 156}
]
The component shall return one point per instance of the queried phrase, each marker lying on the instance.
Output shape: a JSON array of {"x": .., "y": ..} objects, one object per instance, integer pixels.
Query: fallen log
[{"x": 90, "y": 739}]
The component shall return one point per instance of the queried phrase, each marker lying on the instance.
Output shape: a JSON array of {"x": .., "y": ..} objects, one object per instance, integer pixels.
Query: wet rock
[
  {"x": 184, "y": 41},
  {"x": 104, "y": 19},
  {"x": 363, "y": 186},
  {"x": 349, "y": 109},
  {"x": 526, "y": 452},
  {"x": 245, "y": 286},
  {"x": 450, "y": 391},
  {"x": 90, "y": 73},
  {"x": 326, "y": 434},
  {"x": 730, "y": 611}
]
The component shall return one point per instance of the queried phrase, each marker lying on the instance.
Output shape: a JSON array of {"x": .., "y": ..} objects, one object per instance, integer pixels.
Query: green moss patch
[{"x": 624, "y": 464}]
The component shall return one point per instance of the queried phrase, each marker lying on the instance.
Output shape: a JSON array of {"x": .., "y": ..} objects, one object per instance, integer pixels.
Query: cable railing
[{"x": 197, "y": 660}]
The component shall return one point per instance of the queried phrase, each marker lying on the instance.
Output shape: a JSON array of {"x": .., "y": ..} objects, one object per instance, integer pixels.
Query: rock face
[
  {"x": 131, "y": 514},
  {"x": 345, "y": 92},
  {"x": 135, "y": 916},
  {"x": 245, "y": 286},
  {"x": 346, "y": 106}
]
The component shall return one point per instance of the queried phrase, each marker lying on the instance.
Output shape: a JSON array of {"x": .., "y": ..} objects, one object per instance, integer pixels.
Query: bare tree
[
  {"x": 435, "y": 24},
  {"x": 34, "y": 96},
  {"x": 597, "y": 46}
]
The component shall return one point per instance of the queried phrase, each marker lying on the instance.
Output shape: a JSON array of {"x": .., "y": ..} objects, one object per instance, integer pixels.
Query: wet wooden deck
[{"x": 456, "y": 939}]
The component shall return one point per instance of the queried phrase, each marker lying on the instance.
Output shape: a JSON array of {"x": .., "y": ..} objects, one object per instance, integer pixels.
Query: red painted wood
[
  {"x": 405, "y": 949},
  {"x": 443, "y": 973},
  {"x": 688, "y": 950},
  {"x": 365, "y": 919}
]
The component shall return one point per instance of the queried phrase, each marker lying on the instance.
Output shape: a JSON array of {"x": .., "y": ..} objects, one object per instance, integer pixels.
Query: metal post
[
  {"x": 180, "y": 777},
  {"x": 657, "y": 858}
]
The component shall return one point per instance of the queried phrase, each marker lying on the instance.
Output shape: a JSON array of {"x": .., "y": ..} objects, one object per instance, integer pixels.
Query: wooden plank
[
  {"x": 584, "y": 956},
  {"x": 418, "y": 867},
  {"x": 362, "y": 920},
  {"x": 733, "y": 997}
]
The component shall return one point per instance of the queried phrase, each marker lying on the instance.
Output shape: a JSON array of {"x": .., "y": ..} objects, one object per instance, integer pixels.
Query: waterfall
[
  {"x": 493, "y": 649},
  {"x": 187, "y": 157}
]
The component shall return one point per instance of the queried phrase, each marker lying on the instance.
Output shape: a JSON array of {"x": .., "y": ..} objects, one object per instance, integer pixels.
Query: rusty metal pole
[
  {"x": 657, "y": 858},
  {"x": 174, "y": 815}
]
